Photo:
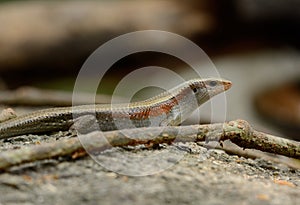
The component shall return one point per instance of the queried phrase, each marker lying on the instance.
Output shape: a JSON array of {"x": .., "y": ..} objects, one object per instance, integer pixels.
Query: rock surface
[{"x": 186, "y": 174}]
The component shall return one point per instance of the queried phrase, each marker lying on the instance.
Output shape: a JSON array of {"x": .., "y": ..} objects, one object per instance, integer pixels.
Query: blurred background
[{"x": 253, "y": 43}]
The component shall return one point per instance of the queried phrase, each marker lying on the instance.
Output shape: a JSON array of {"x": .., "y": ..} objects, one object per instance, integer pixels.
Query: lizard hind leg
[{"x": 84, "y": 124}]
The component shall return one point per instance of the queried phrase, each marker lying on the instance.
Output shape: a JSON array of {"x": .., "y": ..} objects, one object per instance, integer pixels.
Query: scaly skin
[{"x": 169, "y": 108}]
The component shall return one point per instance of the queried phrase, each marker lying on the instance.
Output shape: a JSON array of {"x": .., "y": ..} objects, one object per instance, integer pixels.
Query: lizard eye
[
  {"x": 195, "y": 90},
  {"x": 212, "y": 83}
]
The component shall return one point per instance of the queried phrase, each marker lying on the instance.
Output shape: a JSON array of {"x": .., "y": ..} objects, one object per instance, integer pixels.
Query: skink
[{"x": 167, "y": 109}]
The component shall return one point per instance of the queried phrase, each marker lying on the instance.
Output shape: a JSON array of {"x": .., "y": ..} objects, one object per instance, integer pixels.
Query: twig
[
  {"x": 239, "y": 132},
  {"x": 232, "y": 149}
]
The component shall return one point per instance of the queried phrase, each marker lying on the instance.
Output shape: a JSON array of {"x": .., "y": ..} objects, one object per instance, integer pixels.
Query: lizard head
[{"x": 204, "y": 89}]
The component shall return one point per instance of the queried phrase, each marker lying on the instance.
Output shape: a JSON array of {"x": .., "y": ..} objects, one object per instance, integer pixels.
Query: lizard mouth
[{"x": 227, "y": 84}]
